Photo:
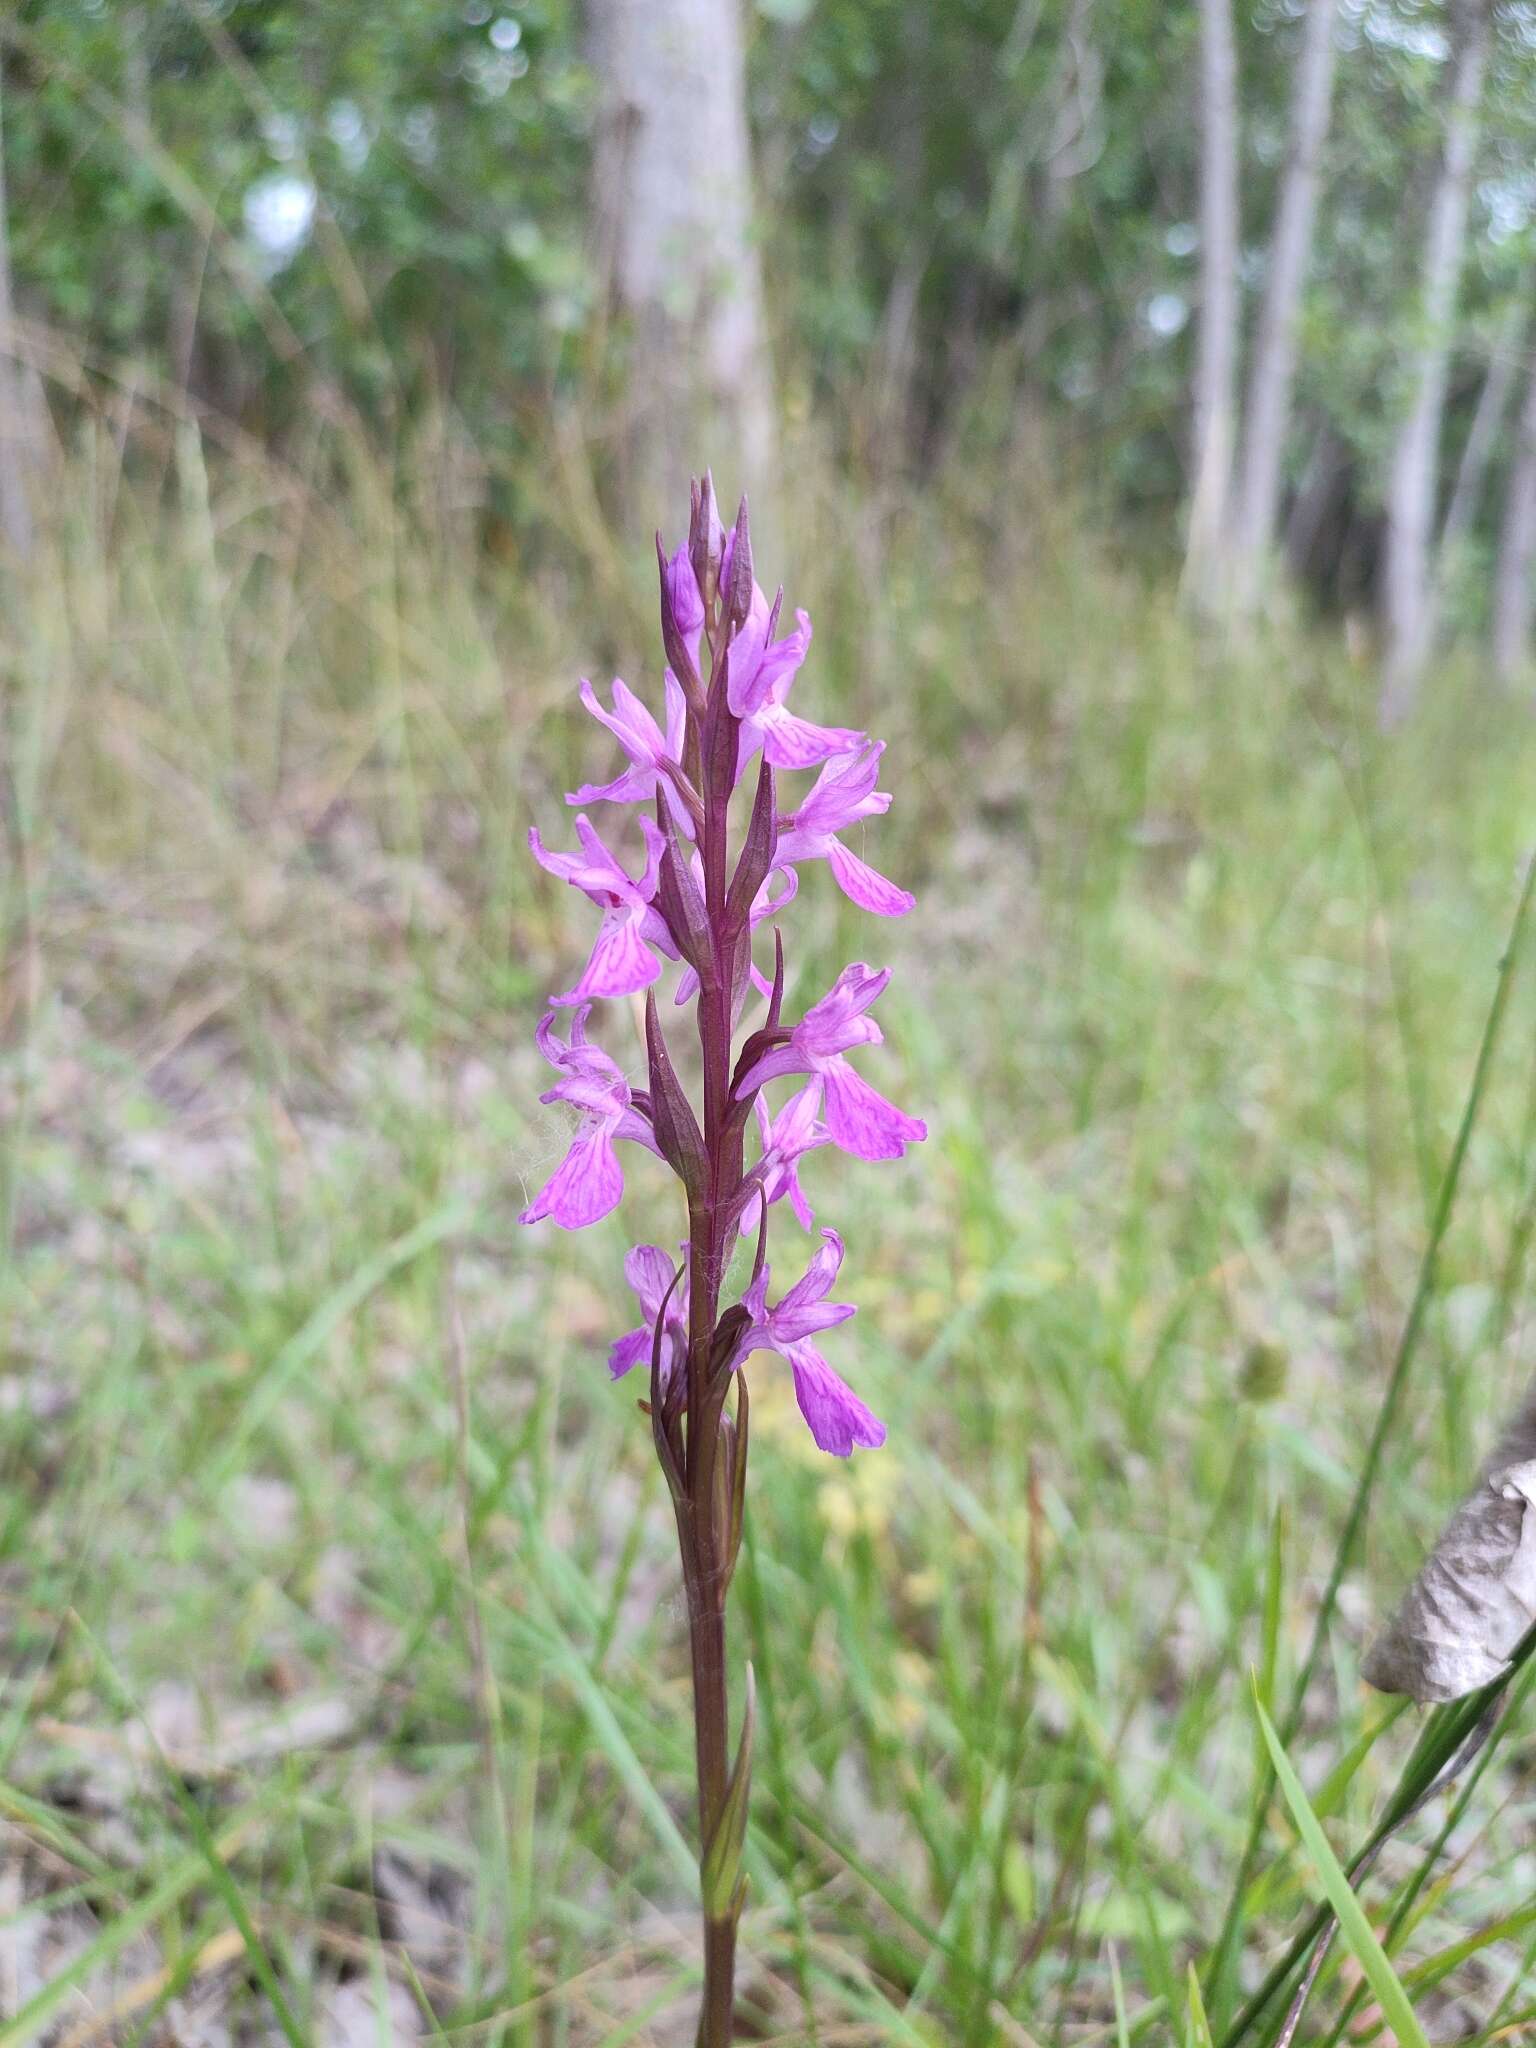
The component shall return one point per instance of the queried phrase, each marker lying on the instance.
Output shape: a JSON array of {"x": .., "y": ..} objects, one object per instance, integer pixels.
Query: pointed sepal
[{"x": 736, "y": 598}]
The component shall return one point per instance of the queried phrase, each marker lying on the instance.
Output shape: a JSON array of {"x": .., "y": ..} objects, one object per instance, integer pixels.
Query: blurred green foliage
[{"x": 965, "y": 209}]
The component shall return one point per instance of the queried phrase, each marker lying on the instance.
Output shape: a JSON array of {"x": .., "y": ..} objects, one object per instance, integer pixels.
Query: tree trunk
[
  {"x": 1472, "y": 471},
  {"x": 673, "y": 204},
  {"x": 1316, "y": 501},
  {"x": 1517, "y": 550},
  {"x": 1407, "y": 610},
  {"x": 1216, "y": 334},
  {"x": 1290, "y": 250},
  {"x": 16, "y": 437}
]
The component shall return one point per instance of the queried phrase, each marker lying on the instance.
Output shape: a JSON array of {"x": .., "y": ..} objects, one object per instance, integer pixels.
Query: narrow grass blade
[
  {"x": 1197, "y": 2027},
  {"x": 40, "y": 2010},
  {"x": 1353, "y": 1925}
]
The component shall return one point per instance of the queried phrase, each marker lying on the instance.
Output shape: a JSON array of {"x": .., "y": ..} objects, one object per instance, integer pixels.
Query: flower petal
[
  {"x": 843, "y": 793},
  {"x": 687, "y": 605},
  {"x": 621, "y": 961},
  {"x": 782, "y": 660},
  {"x": 566, "y": 865},
  {"x": 861, "y": 884},
  {"x": 633, "y": 1125},
  {"x": 745, "y": 691},
  {"x": 791, "y": 742},
  {"x": 627, "y": 1351},
  {"x": 586, "y": 1185},
  {"x": 629, "y": 722},
  {"x": 634, "y": 786},
  {"x": 838, "y": 1021},
  {"x": 649, "y": 1272},
  {"x": 677, "y": 703},
  {"x": 818, "y": 1277},
  {"x": 754, "y": 1301},
  {"x": 838, "y": 1419},
  {"x": 859, "y": 1118},
  {"x": 774, "y": 1064}
]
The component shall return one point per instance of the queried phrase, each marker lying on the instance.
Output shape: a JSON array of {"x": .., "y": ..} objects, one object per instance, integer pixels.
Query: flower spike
[{"x": 714, "y": 870}]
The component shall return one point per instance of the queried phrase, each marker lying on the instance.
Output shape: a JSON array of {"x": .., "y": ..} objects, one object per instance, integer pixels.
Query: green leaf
[
  {"x": 1356, "y": 1929},
  {"x": 1197, "y": 2027}
]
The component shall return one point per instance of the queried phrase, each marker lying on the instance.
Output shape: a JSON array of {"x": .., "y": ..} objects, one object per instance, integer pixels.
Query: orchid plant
[{"x": 697, "y": 893}]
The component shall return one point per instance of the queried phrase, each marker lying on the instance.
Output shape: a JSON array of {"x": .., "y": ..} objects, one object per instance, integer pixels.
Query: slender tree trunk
[
  {"x": 673, "y": 203},
  {"x": 1407, "y": 610},
  {"x": 1516, "y": 565},
  {"x": 1482, "y": 436},
  {"x": 16, "y": 437},
  {"x": 137, "y": 256},
  {"x": 1290, "y": 250},
  {"x": 1217, "y": 331},
  {"x": 1472, "y": 471},
  {"x": 1316, "y": 500}
]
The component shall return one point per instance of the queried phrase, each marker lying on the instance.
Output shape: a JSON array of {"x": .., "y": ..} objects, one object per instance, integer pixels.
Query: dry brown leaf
[{"x": 1466, "y": 1613}]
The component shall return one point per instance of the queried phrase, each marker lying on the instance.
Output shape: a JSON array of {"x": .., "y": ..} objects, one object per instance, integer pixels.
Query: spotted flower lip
[
  {"x": 760, "y": 674},
  {"x": 650, "y": 1272},
  {"x": 838, "y": 1420},
  {"x": 843, "y": 795},
  {"x": 786, "y": 1139},
  {"x": 589, "y": 1181},
  {"x": 652, "y": 752},
  {"x": 632, "y": 932},
  {"x": 859, "y": 1119}
]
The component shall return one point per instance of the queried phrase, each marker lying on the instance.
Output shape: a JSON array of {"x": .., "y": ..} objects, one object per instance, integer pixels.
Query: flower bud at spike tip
[
  {"x": 737, "y": 597},
  {"x": 705, "y": 541}
]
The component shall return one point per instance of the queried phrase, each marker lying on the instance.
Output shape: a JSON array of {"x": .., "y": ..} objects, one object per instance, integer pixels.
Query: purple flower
[
  {"x": 786, "y": 1138},
  {"x": 838, "y": 1419},
  {"x": 759, "y": 678},
  {"x": 650, "y": 751},
  {"x": 844, "y": 792},
  {"x": 687, "y": 605},
  {"x": 589, "y": 1181},
  {"x": 622, "y": 960},
  {"x": 649, "y": 1272},
  {"x": 859, "y": 1119}
]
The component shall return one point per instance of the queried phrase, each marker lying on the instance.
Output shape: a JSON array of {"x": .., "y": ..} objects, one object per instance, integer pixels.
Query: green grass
[{"x": 1192, "y": 1000}]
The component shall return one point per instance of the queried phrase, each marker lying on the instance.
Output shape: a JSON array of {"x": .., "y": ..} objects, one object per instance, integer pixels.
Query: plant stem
[
  {"x": 716, "y": 2014},
  {"x": 700, "y": 1528}
]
